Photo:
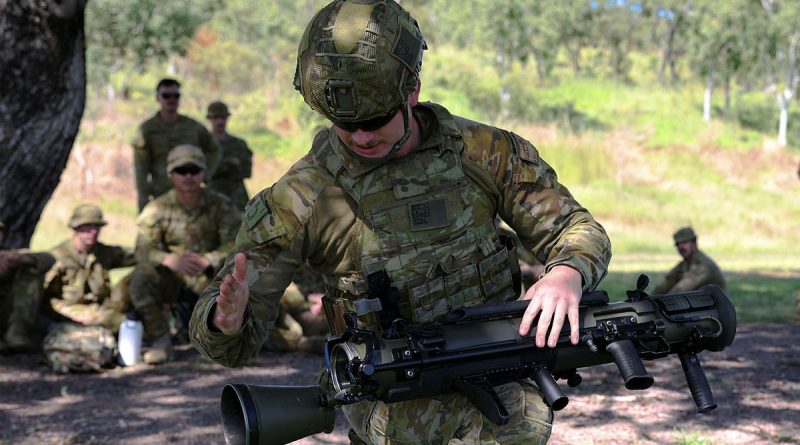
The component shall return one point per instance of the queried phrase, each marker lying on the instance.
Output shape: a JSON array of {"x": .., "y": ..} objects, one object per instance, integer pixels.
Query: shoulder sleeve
[
  {"x": 698, "y": 274},
  {"x": 272, "y": 237},
  {"x": 149, "y": 240},
  {"x": 211, "y": 149},
  {"x": 549, "y": 221},
  {"x": 141, "y": 162}
]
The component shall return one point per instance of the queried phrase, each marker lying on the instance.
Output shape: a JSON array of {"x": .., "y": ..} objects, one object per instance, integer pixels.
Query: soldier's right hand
[
  {"x": 183, "y": 264},
  {"x": 232, "y": 299}
]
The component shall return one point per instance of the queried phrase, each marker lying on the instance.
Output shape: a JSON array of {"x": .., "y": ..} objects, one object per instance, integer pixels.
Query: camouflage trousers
[
  {"x": 452, "y": 419},
  {"x": 153, "y": 290},
  {"x": 294, "y": 322}
]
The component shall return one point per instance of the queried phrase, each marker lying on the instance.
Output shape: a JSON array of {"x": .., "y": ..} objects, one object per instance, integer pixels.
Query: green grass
[{"x": 693, "y": 438}]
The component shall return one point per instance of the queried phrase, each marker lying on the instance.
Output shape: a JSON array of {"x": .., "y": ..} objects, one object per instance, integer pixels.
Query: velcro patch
[
  {"x": 407, "y": 48},
  {"x": 255, "y": 212},
  {"x": 428, "y": 214}
]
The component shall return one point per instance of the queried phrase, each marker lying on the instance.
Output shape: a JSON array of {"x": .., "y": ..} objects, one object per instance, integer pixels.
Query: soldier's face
[
  {"x": 686, "y": 248},
  {"x": 377, "y": 143},
  {"x": 169, "y": 97},
  {"x": 187, "y": 178},
  {"x": 218, "y": 123},
  {"x": 87, "y": 235}
]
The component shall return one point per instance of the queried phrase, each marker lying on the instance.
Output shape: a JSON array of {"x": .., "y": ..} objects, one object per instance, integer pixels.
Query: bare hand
[
  {"x": 315, "y": 308},
  {"x": 557, "y": 295},
  {"x": 188, "y": 263},
  {"x": 234, "y": 293},
  {"x": 197, "y": 263}
]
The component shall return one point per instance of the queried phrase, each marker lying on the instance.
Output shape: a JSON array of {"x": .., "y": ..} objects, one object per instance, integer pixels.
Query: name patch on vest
[{"x": 428, "y": 215}]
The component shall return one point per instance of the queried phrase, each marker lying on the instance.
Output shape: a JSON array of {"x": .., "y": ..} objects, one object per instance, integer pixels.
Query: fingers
[
  {"x": 544, "y": 321},
  {"x": 558, "y": 322},
  {"x": 240, "y": 268},
  {"x": 530, "y": 313},
  {"x": 574, "y": 323}
]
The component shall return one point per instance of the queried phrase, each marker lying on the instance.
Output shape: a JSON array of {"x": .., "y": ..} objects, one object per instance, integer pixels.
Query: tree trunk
[
  {"x": 783, "y": 123},
  {"x": 42, "y": 96},
  {"x": 707, "y": 97},
  {"x": 727, "y": 96}
]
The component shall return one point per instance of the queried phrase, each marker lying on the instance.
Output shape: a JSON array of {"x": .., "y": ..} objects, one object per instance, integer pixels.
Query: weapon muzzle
[{"x": 274, "y": 415}]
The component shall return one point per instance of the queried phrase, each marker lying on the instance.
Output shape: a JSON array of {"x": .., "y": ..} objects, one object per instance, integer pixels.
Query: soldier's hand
[
  {"x": 232, "y": 300},
  {"x": 316, "y": 303},
  {"x": 197, "y": 264},
  {"x": 557, "y": 295}
]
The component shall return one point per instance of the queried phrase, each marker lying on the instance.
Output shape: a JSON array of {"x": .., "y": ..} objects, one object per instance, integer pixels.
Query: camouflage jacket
[
  {"x": 80, "y": 283},
  {"x": 690, "y": 274},
  {"x": 307, "y": 215},
  {"x": 153, "y": 141},
  {"x": 236, "y": 165},
  {"x": 166, "y": 227}
]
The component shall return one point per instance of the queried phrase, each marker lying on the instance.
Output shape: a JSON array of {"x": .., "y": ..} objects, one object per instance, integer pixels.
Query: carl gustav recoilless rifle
[{"x": 473, "y": 349}]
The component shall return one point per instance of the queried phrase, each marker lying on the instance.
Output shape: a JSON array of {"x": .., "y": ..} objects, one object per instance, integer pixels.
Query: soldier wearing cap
[
  {"x": 156, "y": 136},
  {"x": 236, "y": 163},
  {"x": 405, "y": 190},
  {"x": 695, "y": 271},
  {"x": 184, "y": 236}
]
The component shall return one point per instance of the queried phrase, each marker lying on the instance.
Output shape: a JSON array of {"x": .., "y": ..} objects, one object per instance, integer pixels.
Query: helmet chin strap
[{"x": 399, "y": 144}]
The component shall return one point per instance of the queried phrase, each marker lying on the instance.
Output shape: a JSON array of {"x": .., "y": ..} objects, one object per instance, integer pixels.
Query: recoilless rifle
[{"x": 473, "y": 349}]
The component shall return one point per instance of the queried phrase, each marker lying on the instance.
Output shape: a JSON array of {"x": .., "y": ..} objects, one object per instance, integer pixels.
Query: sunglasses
[
  {"x": 187, "y": 170},
  {"x": 171, "y": 95},
  {"x": 368, "y": 125}
]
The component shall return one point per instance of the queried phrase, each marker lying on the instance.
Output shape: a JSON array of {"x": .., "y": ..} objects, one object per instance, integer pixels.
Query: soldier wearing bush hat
[
  {"x": 404, "y": 189},
  {"x": 236, "y": 161},
  {"x": 695, "y": 271}
]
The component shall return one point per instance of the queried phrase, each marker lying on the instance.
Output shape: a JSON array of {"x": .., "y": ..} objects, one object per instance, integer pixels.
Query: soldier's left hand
[{"x": 557, "y": 295}]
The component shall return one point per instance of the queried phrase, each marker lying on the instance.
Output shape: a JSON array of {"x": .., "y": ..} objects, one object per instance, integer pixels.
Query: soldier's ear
[{"x": 413, "y": 97}]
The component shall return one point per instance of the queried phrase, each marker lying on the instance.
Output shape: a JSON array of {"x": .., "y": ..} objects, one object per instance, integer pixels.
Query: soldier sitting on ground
[
  {"x": 695, "y": 271},
  {"x": 301, "y": 324},
  {"x": 20, "y": 294},
  {"x": 236, "y": 163},
  {"x": 184, "y": 237},
  {"x": 78, "y": 285}
]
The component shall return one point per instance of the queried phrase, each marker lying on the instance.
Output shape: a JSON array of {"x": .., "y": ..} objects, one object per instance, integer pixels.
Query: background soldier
[
  {"x": 20, "y": 294},
  {"x": 236, "y": 163},
  {"x": 184, "y": 236},
  {"x": 405, "y": 189},
  {"x": 695, "y": 271},
  {"x": 158, "y": 135},
  {"x": 78, "y": 285},
  {"x": 300, "y": 325}
]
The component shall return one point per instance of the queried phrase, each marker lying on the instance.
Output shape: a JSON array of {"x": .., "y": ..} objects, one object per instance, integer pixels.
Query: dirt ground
[{"x": 756, "y": 383}]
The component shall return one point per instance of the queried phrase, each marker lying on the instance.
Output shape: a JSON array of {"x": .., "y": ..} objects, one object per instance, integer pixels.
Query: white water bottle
[{"x": 130, "y": 340}]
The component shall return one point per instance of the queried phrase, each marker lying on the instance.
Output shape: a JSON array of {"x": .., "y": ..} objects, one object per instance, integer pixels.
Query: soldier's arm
[
  {"x": 141, "y": 164},
  {"x": 246, "y": 168},
  {"x": 694, "y": 278},
  {"x": 149, "y": 240},
  {"x": 122, "y": 257},
  {"x": 273, "y": 254},
  {"x": 211, "y": 150},
  {"x": 666, "y": 284},
  {"x": 228, "y": 221}
]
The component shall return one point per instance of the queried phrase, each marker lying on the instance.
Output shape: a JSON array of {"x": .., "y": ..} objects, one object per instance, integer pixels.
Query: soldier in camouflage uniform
[
  {"x": 21, "y": 273},
  {"x": 156, "y": 136},
  {"x": 184, "y": 236},
  {"x": 402, "y": 187},
  {"x": 78, "y": 285},
  {"x": 695, "y": 271},
  {"x": 300, "y": 325},
  {"x": 236, "y": 163}
]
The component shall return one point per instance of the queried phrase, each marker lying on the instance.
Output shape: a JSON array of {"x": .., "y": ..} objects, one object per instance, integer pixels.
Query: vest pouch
[
  {"x": 495, "y": 274},
  {"x": 513, "y": 262},
  {"x": 334, "y": 313},
  {"x": 428, "y": 301}
]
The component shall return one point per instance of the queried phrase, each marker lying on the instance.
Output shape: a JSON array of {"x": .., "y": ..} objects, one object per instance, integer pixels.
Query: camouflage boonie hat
[
  {"x": 86, "y": 214},
  {"x": 684, "y": 234},
  {"x": 217, "y": 109},
  {"x": 183, "y": 155},
  {"x": 73, "y": 347},
  {"x": 359, "y": 59}
]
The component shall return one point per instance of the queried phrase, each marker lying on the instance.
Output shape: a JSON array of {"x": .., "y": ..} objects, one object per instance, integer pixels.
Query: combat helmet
[{"x": 359, "y": 60}]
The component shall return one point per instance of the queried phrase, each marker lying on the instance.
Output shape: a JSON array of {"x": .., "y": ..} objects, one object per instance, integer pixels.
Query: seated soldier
[
  {"x": 301, "y": 324},
  {"x": 695, "y": 271},
  {"x": 20, "y": 294},
  {"x": 78, "y": 285},
  {"x": 184, "y": 237}
]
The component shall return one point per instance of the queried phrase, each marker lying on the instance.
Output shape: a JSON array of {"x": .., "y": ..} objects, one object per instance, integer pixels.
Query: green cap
[
  {"x": 86, "y": 214},
  {"x": 359, "y": 59},
  {"x": 684, "y": 234},
  {"x": 217, "y": 109},
  {"x": 185, "y": 154}
]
